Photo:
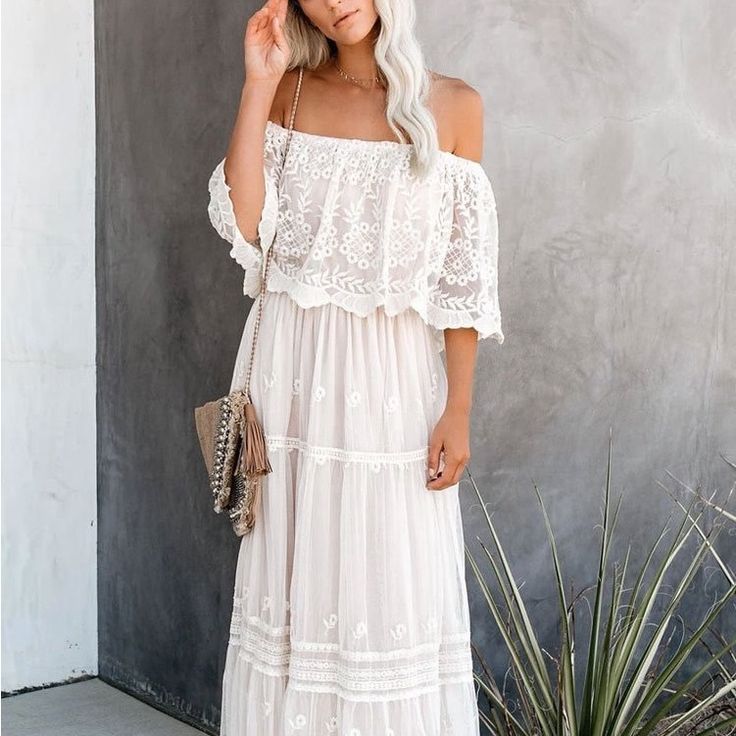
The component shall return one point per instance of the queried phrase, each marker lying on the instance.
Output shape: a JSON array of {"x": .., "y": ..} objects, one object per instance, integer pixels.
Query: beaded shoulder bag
[{"x": 230, "y": 435}]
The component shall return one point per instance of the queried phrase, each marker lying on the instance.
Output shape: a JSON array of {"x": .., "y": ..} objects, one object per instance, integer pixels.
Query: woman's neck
[{"x": 359, "y": 59}]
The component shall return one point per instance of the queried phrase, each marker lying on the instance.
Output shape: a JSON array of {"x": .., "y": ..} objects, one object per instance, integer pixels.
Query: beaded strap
[{"x": 246, "y": 389}]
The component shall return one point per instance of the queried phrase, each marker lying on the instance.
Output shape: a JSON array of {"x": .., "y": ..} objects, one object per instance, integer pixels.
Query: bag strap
[{"x": 246, "y": 389}]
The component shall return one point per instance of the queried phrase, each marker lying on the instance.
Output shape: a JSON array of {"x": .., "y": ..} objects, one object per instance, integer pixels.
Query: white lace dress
[{"x": 350, "y": 611}]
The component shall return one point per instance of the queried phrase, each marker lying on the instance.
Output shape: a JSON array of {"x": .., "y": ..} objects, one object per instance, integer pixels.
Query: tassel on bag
[
  {"x": 254, "y": 459},
  {"x": 231, "y": 437},
  {"x": 251, "y": 465}
]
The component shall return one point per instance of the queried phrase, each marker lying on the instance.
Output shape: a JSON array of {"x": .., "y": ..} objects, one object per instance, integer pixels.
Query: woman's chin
[{"x": 352, "y": 30}]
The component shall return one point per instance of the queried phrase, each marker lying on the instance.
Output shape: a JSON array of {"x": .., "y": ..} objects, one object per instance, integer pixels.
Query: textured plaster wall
[{"x": 611, "y": 143}]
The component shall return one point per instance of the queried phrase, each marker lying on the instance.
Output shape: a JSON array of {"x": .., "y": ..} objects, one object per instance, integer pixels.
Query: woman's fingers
[
  {"x": 257, "y": 22},
  {"x": 278, "y": 33},
  {"x": 276, "y": 7},
  {"x": 260, "y": 27},
  {"x": 266, "y": 47},
  {"x": 456, "y": 473},
  {"x": 433, "y": 458},
  {"x": 451, "y": 472}
]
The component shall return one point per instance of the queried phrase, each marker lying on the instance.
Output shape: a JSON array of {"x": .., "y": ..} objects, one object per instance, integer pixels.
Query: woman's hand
[
  {"x": 450, "y": 439},
  {"x": 266, "y": 50}
]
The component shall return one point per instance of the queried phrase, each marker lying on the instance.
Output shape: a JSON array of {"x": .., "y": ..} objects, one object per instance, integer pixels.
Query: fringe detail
[
  {"x": 253, "y": 458},
  {"x": 243, "y": 515}
]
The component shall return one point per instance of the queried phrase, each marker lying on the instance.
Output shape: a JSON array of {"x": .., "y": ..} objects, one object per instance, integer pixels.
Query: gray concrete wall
[
  {"x": 611, "y": 143},
  {"x": 170, "y": 314}
]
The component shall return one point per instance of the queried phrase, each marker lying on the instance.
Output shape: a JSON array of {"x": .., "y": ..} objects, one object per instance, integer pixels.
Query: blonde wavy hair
[{"x": 400, "y": 64}]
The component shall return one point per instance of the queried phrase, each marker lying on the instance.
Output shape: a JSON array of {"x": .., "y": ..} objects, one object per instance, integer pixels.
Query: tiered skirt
[{"x": 350, "y": 611}]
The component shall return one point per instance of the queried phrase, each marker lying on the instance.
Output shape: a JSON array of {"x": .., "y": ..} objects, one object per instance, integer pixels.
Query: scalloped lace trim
[{"x": 307, "y": 295}]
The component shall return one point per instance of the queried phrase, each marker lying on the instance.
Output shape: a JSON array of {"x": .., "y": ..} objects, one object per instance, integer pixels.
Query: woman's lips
[{"x": 345, "y": 17}]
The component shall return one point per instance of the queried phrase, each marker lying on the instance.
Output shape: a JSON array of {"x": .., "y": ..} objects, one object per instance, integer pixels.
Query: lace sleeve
[
  {"x": 249, "y": 254},
  {"x": 466, "y": 292}
]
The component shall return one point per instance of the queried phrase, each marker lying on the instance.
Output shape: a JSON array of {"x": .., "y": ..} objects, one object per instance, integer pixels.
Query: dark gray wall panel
[{"x": 169, "y": 317}]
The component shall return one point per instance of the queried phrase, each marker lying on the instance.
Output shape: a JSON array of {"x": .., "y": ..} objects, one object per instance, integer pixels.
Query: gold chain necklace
[{"x": 356, "y": 80}]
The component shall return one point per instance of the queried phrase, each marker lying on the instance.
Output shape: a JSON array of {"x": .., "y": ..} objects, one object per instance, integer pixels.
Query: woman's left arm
[{"x": 451, "y": 435}]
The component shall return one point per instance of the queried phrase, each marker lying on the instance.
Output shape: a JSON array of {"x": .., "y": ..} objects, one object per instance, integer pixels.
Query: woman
[{"x": 350, "y": 610}]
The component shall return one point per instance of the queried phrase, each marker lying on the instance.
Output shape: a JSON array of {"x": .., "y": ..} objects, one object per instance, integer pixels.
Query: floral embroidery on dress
[
  {"x": 360, "y": 630},
  {"x": 398, "y": 631},
  {"x": 298, "y": 722},
  {"x": 331, "y": 725},
  {"x": 351, "y": 225},
  {"x": 296, "y": 386},
  {"x": 391, "y": 404},
  {"x": 330, "y": 621},
  {"x": 434, "y": 384},
  {"x": 353, "y": 398},
  {"x": 431, "y": 624},
  {"x": 319, "y": 393},
  {"x": 267, "y": 707},
  {"x": 268, "y": 381}
]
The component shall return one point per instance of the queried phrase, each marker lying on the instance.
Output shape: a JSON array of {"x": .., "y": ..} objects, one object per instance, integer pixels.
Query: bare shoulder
[
  {"x": 458, "y": 110},
  {"x": 281, "y": 106}
]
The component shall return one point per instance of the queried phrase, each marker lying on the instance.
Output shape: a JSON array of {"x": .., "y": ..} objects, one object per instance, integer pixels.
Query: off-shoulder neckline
[{"x": 460, "y": 160}]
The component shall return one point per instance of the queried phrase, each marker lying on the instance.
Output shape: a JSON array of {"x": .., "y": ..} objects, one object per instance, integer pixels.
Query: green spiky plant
[{"x": 630, "y": 685}]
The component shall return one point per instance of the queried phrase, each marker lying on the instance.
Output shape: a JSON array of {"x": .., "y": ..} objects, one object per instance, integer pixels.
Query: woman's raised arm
[{"x": 266, "y": 55}]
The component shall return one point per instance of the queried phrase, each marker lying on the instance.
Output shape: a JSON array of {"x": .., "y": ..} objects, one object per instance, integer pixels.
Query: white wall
[{"x": 49, "y": 527}]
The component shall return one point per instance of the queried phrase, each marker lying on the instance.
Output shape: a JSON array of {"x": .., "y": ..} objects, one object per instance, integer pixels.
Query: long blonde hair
[{"x": 400, "y": 64}]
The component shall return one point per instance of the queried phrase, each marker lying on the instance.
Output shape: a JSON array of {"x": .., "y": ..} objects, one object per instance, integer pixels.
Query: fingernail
[{"x": 431, "y": 471}]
